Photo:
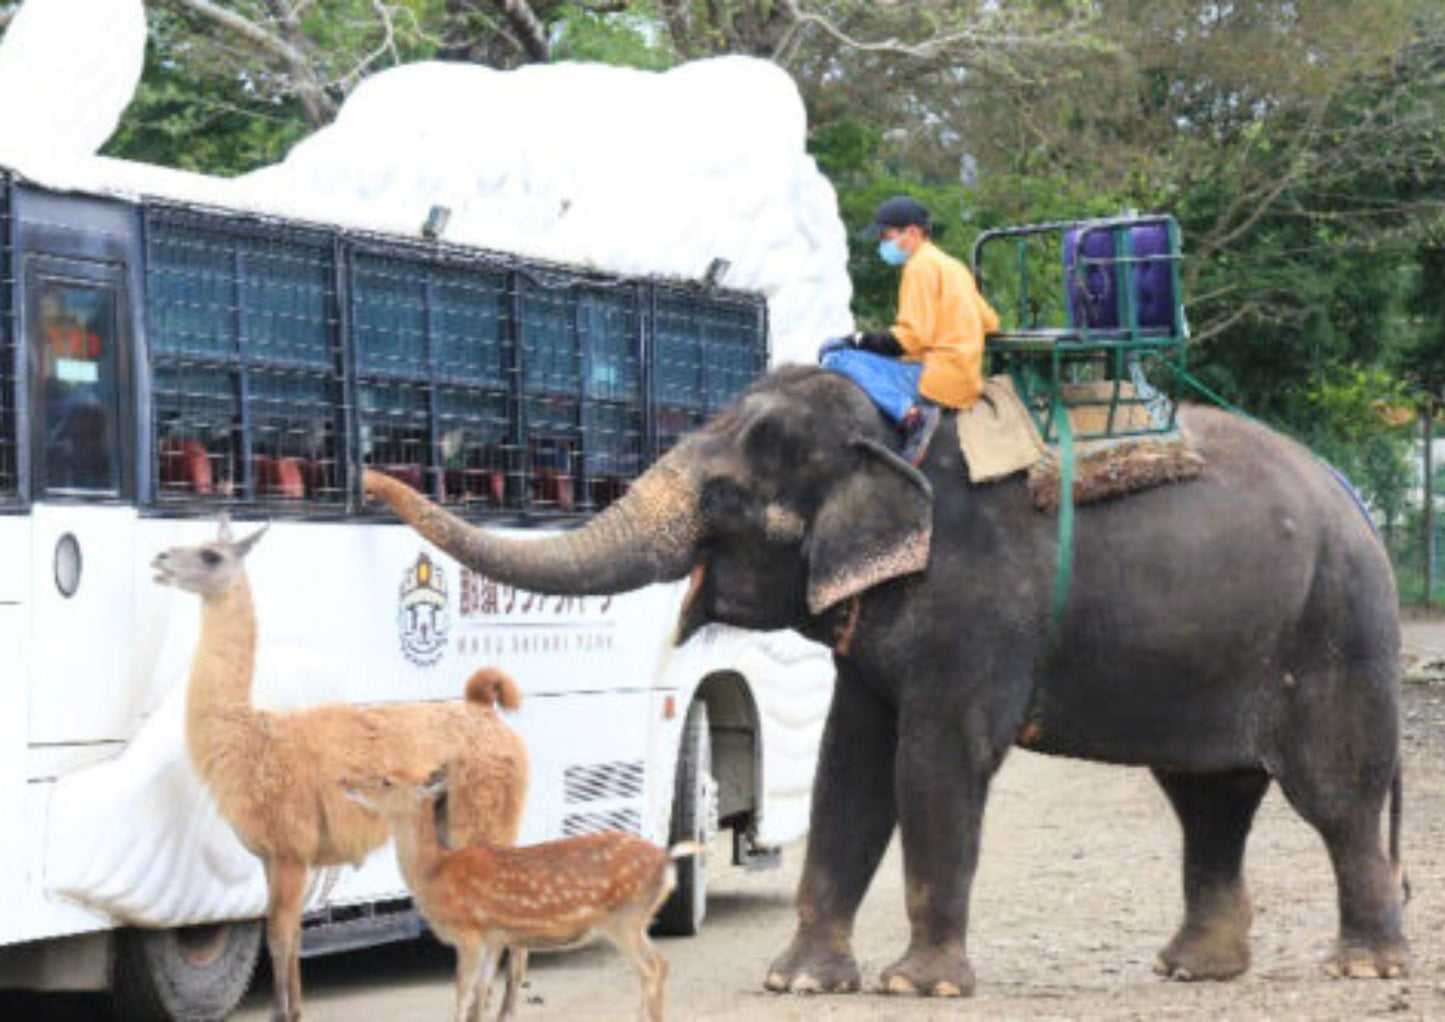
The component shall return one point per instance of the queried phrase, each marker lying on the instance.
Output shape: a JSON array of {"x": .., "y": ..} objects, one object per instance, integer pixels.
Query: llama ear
[
  {"x": 244, "y": 546},
  {"x": 223, "y": 527}
]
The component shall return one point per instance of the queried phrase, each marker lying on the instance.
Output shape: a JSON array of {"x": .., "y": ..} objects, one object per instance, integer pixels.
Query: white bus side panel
[
  {"x": 17, "y": 880},
  {"x": 80, "y": 678}
]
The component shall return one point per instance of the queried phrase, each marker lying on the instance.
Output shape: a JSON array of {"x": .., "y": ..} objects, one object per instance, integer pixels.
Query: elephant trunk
[{"x": 649, "y": 535}]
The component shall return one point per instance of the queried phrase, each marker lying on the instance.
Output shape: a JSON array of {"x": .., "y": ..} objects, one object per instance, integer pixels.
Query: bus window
[
  {"x": 246, "y": 380},
  {"x": 705, "y": 355},
  {"x": 74, "y": 347},
  {"x": 197, "y": 430}
]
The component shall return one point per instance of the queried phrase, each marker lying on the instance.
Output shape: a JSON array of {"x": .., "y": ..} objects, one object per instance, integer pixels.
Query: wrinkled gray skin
[{"x": 1224, "y": 632}]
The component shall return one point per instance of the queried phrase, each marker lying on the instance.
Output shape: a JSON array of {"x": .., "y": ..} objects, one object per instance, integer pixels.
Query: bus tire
[
  {"x": 694, "y": 818},
  {"x": 186, "y": 974}
]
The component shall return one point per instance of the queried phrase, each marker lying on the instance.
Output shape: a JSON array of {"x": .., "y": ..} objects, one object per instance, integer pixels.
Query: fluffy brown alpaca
[
  {"x": 275, "y": 776},
  {"x": 482, "y": 899}
]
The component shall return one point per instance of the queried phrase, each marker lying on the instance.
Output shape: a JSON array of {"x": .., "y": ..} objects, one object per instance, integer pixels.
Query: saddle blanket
[{"x": 998, "y": 438}]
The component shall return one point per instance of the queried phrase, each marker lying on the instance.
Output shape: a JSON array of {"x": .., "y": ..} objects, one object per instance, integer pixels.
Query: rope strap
[{"x": 1064, "y": 572}]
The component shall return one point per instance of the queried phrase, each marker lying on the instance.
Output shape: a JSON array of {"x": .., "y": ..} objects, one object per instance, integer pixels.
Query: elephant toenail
[
  {"x": 899, "y": 985},
  {"x": 805, "y": 984},
  {"x": 946, "y": 989},
  {"x": 776, "y": 981}
]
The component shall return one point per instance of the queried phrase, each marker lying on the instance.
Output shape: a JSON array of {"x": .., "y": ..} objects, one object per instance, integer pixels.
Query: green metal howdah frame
[{"x": 1084, "y": 306}]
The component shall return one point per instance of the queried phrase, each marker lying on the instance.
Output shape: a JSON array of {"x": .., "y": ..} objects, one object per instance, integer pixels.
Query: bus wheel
[
  {"x": 694, "y": 818},
  {"x": 191, "y": 973}
]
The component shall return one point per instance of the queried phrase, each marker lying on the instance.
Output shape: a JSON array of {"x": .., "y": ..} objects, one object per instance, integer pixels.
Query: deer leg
[
  {"x": 470, "y": 955},
  {"x": 286, "y": 890},
  {"x": 629, "y": 934},
  {"x": 516, "y": 973}
]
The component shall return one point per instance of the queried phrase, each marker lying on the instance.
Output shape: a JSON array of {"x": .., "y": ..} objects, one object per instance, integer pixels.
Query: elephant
[{"x": 1227, "y": 631}]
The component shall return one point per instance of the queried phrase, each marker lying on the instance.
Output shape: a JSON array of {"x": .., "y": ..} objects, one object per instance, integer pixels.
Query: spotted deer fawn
[{"x": 484, "y": 898}]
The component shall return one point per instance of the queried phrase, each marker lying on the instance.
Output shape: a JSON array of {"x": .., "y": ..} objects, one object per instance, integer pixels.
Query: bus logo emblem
[{"x": 423, "y": 618}]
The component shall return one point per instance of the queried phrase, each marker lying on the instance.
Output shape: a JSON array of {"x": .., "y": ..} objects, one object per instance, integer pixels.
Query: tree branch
[
  {"x": 932, "y": 48},
  {"x": 532, "y": 33},
  {"x": 318, "y": 106},
  {"x": 678, "y": 15},
  {"x": 352, "y": 78},
  {"x": 1220, "y": 325}
]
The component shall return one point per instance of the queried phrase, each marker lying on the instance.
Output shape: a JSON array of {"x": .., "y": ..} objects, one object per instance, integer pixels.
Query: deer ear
[
  {"x": 223, "y": 527},
  {"x": 876, "y": 524}
]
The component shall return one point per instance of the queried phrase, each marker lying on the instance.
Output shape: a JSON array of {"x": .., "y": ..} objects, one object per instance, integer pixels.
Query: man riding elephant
[{"x": 933, "y": 354}]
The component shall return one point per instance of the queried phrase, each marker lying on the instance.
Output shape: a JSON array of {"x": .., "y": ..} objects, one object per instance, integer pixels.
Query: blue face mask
[{"x": 890, "y": 253}]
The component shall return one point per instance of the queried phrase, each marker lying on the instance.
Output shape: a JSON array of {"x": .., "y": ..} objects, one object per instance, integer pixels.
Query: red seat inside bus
[
  {"x": 553, "y": 485},
  {"x": 280, "y": 477},
  {"x": 317, "y": 477},
  {"x": 185, "y": 466},
  {"x": 471, "y": 484}
]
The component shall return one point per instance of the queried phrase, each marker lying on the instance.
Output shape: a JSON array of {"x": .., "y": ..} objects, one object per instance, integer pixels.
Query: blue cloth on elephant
[
  {"x": 891, "y": 383},
  {"x": 833, "y": 345}
]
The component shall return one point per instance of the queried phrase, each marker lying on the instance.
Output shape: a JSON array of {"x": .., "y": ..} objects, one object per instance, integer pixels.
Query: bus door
[{"x": 82, "y": 484}]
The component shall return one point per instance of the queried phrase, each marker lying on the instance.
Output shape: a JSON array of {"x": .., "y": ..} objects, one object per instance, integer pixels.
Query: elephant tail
[{"x": 1397, "y": 815}]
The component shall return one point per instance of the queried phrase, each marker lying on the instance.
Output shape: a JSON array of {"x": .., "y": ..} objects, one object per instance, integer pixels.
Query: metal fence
[{"x": 281, "y": 356}]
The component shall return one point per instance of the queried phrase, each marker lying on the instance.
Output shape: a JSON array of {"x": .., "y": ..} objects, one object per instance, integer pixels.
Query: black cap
[{"x": 900, "y": 211}]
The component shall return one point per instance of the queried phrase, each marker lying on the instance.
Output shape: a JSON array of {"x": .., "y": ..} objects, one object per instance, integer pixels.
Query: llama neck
[{"x": 220, "y": 687}]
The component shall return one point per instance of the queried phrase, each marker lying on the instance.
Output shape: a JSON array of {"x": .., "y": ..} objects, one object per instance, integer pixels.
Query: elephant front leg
[
  {"x": 852, "y": 819},
  {"x": 943, "y": 778},
  {"x": 1215, "y": 811}
]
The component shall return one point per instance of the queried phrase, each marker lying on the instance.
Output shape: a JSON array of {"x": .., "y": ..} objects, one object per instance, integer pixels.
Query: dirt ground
[{"x": 1078, "y": 888}]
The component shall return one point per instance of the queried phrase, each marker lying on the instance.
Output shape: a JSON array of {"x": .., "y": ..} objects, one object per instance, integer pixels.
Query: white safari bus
[{"x": 161, "y": 362}]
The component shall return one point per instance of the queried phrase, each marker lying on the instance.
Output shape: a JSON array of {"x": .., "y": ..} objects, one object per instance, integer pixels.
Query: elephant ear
[{"x": 876, "y": 524}]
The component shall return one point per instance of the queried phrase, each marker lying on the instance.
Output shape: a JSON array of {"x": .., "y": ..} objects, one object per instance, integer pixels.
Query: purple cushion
[{"x": 1092, "y": 300}]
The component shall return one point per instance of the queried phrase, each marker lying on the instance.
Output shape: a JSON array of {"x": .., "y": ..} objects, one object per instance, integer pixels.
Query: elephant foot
[
  {"x": 811, "y": 966},
  {"x": 1357, "y": 961},
  {"x": 929, "y": 972},
  {"x": 1213, "y": 943},
  {"x": 1204, "y": 954}
]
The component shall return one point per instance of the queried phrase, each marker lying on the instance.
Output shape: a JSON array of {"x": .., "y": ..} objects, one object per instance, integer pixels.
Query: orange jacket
[{"x": 942, "y": 319}]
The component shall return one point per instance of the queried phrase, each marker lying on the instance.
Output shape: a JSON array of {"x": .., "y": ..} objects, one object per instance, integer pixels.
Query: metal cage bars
[{"x": 281, "y": 356}]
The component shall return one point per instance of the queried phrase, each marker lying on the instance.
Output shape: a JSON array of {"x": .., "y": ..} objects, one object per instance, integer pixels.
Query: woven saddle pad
[{"x": 998, "y": 438}]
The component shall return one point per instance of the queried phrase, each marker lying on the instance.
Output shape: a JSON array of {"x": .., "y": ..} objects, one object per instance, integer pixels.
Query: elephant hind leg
[
  {"x": 1216, "y": 812},
  {"x": 1371, "y": 944},
  {"x": 1337, "y": 771}
]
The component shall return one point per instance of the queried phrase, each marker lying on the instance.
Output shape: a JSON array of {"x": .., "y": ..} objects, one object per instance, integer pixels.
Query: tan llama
[
  {"x": 483, "y": 899},
  {"x": 275, "y": 776}
]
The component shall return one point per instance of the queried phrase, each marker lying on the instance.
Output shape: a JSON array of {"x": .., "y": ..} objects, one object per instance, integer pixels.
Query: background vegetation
[{"x": 1298, "y": 142}]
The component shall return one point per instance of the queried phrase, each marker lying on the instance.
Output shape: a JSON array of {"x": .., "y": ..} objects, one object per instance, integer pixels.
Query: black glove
[{"x": 880, "y": 342}]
